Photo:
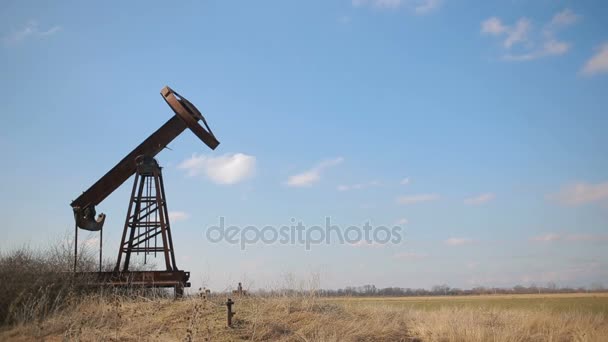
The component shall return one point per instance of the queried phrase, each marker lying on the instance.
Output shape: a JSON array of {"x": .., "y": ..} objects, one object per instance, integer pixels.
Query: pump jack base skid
[{"x": 175, "y": 279}]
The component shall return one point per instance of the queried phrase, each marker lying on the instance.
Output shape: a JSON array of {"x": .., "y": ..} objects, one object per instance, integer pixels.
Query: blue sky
[{"x": 480, "y": 127}]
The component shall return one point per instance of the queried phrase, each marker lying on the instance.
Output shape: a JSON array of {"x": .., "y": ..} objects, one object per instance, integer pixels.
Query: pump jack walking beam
[{"x": 186, "y": 116}]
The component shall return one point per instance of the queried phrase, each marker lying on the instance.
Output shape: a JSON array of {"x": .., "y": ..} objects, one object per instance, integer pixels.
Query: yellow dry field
[
  {"x": 571, "y": 317},
  {"x": 566, "y": 302}
]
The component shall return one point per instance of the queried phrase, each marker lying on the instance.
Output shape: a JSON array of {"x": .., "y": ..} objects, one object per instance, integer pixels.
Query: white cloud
[
  {"x": 363, "y": 243},
  {"x": 549, "y": 48},
  {"x": 405, "y": 181},
  {"x": 418, "y": 6},
  {"x": 402, "y": 221},
  {"x": 308, "y": 178},
  {"x": 458, "y": 241},
  {"x": 410, "y": 256},
  {"x": 412, "y": 199},
  {"x": 564, "y": 18},
  {"x": 547, "y": 237},
  {"x": 426, "y": 6},
  {"x": 581, "y": 193},
  {"x": 479, "y": 199},
  {"x": 493, "y": 26},
  {"x": 227, "y": 169},
  {"x": 551, "y": 237},
  {"x": 358, "y": 186},
  {"x": 378, "y": 3},
  {"x": 512, "y": 34},
  {"x": 517, "y": 34},
  {"x": 175, "y": 216},
  {"x": 598, "y": 63},
  {"x": 522, "y": 43},
  {"x": 30, "y": 30}
]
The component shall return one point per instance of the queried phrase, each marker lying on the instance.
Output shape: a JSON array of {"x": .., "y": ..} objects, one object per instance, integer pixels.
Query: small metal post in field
[{"x": 229, "y": 313}]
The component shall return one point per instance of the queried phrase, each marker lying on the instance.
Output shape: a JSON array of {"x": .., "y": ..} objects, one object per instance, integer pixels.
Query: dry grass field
[
  {"x": 560, "y": 302},
  {"x": 569, "y": 317}
]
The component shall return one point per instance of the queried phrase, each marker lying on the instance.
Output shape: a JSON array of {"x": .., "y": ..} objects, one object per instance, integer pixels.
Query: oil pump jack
[{"x": 146, "y": 229}]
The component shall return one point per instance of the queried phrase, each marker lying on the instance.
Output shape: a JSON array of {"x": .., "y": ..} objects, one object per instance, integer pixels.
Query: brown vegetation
[
  {"x": 39, "y": 300},
  {"x": 198, "y": 318},
  {"x": 37, "y": 283}
]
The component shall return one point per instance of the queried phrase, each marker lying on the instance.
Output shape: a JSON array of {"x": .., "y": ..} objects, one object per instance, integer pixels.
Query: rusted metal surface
[
  {"x": 147, "y": 218},
  {"x": 229, "y": 312},
  {"x": 187, "y": 112},
  {"x": 187, "y": 116},
  {"x": 122, "y": 171},
  {"x": 140, "y": 278}
]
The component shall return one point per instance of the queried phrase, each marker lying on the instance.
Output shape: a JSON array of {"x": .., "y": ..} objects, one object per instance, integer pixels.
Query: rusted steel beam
[
  {"x": 186, "y": 116},
  {"x": 139, "y": 278},
  {"x": 127, "y": 166}
]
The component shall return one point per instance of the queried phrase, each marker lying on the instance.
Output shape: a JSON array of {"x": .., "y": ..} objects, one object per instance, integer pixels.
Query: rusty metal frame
[
  {"x": 186, "y": 116},
  {"x": 152, "y": 218},
  {"x": 167, "y": 279},
  {"x": 188, "y": 112}
]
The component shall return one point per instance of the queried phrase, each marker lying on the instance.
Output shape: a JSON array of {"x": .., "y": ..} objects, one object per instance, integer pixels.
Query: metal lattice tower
[{"x": 147, "y": 229}]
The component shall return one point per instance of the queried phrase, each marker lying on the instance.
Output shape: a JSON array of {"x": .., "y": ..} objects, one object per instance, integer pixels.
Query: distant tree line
[{"x": 445, "y": 290}]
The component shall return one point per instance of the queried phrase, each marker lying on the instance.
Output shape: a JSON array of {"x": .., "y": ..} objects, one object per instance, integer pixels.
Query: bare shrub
[{"x": 37, "y": 283}]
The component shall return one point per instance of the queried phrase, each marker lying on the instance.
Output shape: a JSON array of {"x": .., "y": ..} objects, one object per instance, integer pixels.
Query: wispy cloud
[
  {"x": 552, "y": 237},
  {"x": 458, "y": 241},
  {"x": 581, "y": 193},
  {"x": 365, "y": 244},
  {"x": 358, "y": 186},
  {"x": 564, "y": 18},
  {"x": 479, "y": 199},
  {"x": 412, "y": 199},
  {"x": 426, "y": 6},
  {"x": 227, "y": 169},
  {"x": 546, "y": 237},
  {"x": 409, "y": 256},
  {"x": 598, "y": 63},
  {"x": 405, "y": 181},
  {"x": 175, "y": 216},
  {"x": 30, "y": 30},
  {"x": 419, "y": 7},
  {"x": 308, "y": 178},
  {"x": 379, "y": 3},
  {"x": 402, "y": 221},
  {"x": 521, "y": 43}
]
